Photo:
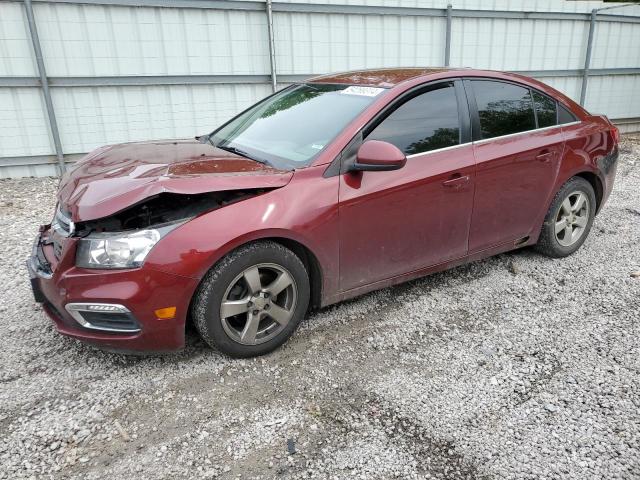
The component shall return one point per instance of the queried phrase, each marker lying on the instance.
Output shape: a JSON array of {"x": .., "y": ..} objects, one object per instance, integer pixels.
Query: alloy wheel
[
  {"x": 258, "y": 304},
  {"x": 572, "y": 218}
]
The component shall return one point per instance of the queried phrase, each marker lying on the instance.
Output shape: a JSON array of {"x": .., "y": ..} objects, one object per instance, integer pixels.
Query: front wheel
[
  {"x": 569, "y": 219},
  {"x": 251, "y": 301}
]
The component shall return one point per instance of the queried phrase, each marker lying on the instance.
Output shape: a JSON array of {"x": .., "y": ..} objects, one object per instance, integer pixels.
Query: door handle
[
  {"x": 544, "y": 156},
  {"x": 456, "y": 180}
]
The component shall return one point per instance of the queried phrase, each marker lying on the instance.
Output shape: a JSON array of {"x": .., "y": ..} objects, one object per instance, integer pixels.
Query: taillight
[{"x": 616, "y": 134}]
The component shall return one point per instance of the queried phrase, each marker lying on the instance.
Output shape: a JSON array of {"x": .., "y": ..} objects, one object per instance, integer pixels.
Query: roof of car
[
  {"x": 381, "y": 77},
  {"x": 390, "y": 77}
]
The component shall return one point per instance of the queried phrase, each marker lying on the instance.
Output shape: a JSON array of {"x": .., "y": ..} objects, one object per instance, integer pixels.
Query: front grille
[
  {"x": 57, "y": 248},
  {"x": 63, "y": 227},
  {"x": 62, "y": 222},
  {"x": 43, "y": 264}
]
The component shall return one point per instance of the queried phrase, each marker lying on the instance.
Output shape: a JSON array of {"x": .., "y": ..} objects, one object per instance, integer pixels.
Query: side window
[
  {"x": 545, "y": 109},
  {"x": 565, "y": 116},
  {"x": 426, "y": 122},
  {"x": 503, "y": 108}
]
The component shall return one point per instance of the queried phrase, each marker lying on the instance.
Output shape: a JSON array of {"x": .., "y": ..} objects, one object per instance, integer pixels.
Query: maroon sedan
[{"x": 323, "y": 191}]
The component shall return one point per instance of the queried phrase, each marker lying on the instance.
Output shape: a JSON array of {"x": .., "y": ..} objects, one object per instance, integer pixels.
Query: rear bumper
[{"x": 141, "y": 291}]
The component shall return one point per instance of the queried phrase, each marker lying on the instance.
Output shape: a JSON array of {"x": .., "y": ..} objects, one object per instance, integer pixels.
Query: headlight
[{"x": 118, "y": 250}]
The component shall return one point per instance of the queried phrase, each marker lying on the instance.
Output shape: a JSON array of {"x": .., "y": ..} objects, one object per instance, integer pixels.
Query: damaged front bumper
[{"x": 112, "y": 309}]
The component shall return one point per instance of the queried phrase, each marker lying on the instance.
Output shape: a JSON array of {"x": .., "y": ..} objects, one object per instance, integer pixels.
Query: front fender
[{"x": 304, "y": 211}]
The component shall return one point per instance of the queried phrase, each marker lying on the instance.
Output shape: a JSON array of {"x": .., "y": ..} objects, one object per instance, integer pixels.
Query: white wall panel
[
  {"x": 616, "y": 45},
  {"x": 95, "y": 40},
  {"x": 579, "y": 6},
  {"x": 90, "y": 117},
  {"x": 16, "y": 58},
  {"x": 319, "y": 43},
  {"x": 17, "y": 171},
  {"x": 86, "y": 40},
  {"x": 516, "y": 44},
  {"x": 23, "y": 126},
  {"x": 617, "y": 96}
]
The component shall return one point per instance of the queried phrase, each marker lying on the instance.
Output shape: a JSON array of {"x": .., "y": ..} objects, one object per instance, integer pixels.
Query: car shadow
[{"x": 195, "y": 347}]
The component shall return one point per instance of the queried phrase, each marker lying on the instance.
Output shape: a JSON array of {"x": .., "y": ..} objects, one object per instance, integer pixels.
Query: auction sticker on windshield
[{"x": 365, "y": 91}]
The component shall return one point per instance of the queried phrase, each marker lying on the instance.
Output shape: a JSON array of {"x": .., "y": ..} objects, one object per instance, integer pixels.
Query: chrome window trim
[
  {"x": 569, "y": 123},
  {"x": 438, "y": 150},
  {"x": 74, "y": 310},
  {"x": 485, "y": 140}
]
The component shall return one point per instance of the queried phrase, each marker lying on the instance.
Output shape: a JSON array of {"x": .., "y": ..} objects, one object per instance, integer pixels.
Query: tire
[
  {"x": 566, "y": 226},
  {"x": 258, "y": 314}
]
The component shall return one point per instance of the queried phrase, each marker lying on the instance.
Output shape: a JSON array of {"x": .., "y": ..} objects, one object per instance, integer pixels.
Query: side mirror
[{"x": 376, "y": 156}]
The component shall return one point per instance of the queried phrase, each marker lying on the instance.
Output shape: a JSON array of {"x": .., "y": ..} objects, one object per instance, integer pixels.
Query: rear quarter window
[
  {"x": 565, "y": 116},
  {"x": 546, "y": 110}
]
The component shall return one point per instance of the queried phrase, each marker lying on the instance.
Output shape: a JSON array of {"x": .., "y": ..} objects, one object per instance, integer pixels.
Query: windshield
[{"x": 290, "y": 128}]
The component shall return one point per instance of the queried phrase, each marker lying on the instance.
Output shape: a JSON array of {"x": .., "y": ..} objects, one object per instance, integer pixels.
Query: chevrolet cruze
[{"x": 325, "y": 190}]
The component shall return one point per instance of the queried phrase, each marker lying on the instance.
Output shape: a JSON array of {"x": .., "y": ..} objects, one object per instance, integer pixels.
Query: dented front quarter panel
[
  {"x": 113, "y": 178},
  {"x": 305, "y": 212}
]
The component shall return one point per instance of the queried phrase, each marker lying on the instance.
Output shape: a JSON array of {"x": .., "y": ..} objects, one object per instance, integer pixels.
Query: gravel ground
[{"x": 514, "y": 367}]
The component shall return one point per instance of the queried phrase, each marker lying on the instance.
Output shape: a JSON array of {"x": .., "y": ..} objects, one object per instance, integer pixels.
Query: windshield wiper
[
  {"x": 242, "y": 153},
  {"x": 209, "y": 139}
]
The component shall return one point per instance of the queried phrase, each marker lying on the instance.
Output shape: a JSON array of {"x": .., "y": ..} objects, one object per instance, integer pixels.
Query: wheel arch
[
  {"x": 597, "y": 185},
  {"x": 590, "y": 176},
  {"x": 310, "y": 262},
  {"x": 300, "y": 249}
]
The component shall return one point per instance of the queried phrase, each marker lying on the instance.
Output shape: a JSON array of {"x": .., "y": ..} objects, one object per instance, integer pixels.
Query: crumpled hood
[{"x": 113, "y": 178}]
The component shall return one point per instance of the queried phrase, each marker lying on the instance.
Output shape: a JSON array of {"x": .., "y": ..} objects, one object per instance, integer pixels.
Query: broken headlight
[{"x": 118, "y": 249}]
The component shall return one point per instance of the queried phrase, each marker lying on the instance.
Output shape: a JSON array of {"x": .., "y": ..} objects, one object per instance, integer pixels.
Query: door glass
[
  {"x": 545, "y": 109},
  {"x": 426, "y": 122},
  {"x": 503, "y": 108}
]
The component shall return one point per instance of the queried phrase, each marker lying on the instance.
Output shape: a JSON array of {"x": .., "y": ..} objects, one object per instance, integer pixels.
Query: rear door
[
  {"x": 518, "y": 151},
  {"x": 399, "y": 221}
]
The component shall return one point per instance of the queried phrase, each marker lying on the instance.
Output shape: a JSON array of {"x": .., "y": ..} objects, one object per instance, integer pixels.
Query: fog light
[
  {"x": 107, "y": 317},
  {"x": 165, "y": 313},
  {"x": 106, "y": 308}
]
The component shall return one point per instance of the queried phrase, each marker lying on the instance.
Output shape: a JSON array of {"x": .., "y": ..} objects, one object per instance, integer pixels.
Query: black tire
[
  {"x": 207, "y": 303},
  {"x": 548, "y": 243}
]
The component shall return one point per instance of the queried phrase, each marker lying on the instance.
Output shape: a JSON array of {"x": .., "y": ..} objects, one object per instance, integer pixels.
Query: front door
[{"x": 399, "y": 221}]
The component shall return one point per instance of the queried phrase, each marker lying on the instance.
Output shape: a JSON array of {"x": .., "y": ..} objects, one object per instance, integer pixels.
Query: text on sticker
[{"x": 365, "y": 91}]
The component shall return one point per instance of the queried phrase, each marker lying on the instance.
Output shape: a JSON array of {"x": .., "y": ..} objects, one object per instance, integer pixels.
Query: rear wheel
[
  {"x": 569, "y": 219},
  {"x": 252, "y": 300}
]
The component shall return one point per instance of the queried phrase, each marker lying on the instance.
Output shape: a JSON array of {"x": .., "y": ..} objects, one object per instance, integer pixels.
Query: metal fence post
[
  {"x": 447, "y": 44},
  {"x": 587, "y": 59},
  {"x": 272, "y": 46},
  {"x": 44, "y": 82}
]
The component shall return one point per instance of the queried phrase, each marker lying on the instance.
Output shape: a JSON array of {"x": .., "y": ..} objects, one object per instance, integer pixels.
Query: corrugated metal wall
[{"x": 83, "y": 40}]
